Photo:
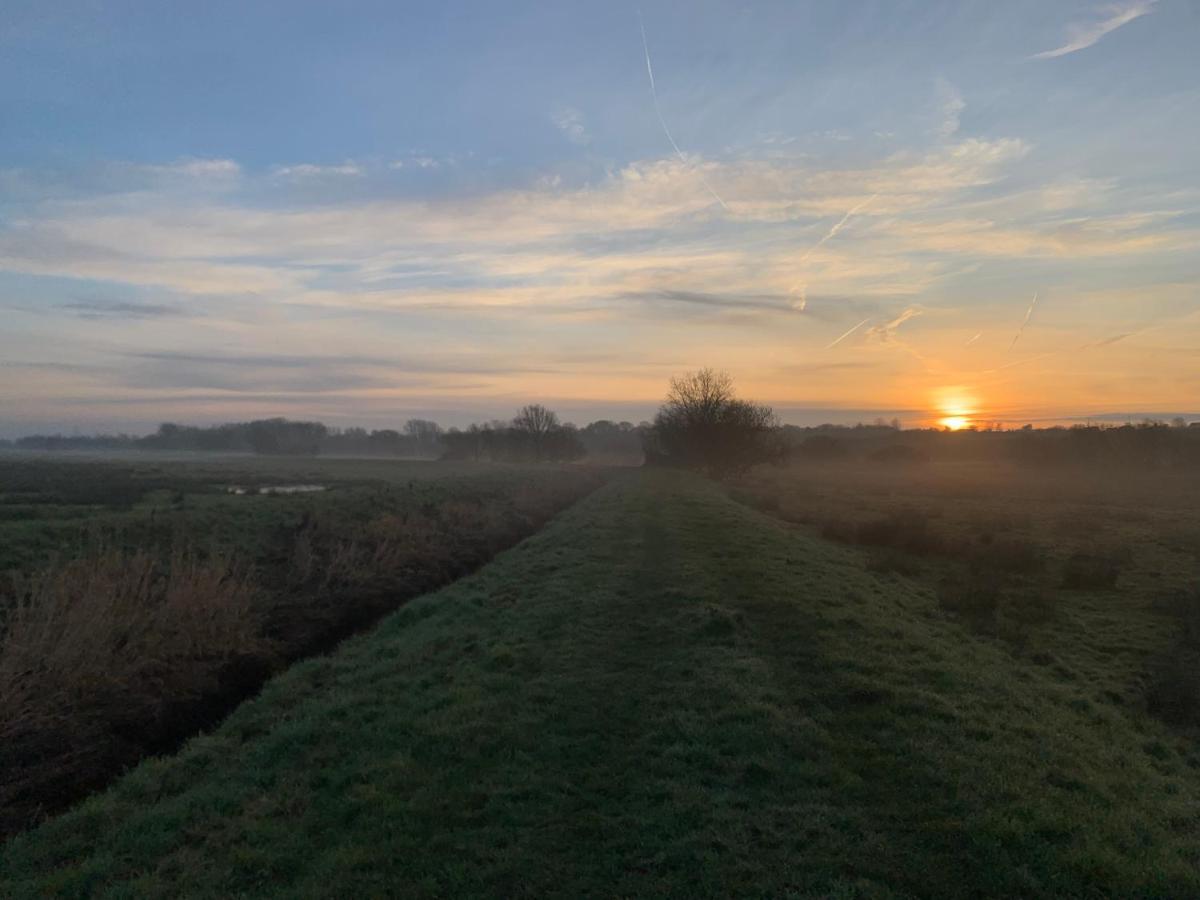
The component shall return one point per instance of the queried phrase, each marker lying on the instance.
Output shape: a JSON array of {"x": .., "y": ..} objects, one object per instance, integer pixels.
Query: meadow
[
  {"x": 1091, "y": 571},
  {"x": 144, "y": 597},
  {"x": 665, "y": 692}
]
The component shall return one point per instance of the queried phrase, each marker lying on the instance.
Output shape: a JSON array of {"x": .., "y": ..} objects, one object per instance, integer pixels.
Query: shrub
[
  {"x": 703, "y": 424},
  {"x": 1028, "y": 607},
  {"x": 822, "y": 447},
  {"x": 974, "y": 597},
  {"x": 893, "y": 561},
  {"x": 1010, "y": 555},
  {"x": 98, "y": 655},
  {"x": 898, "y": 454},
  {"x": 1173, "y": 693},
  {"x": 1090, "y": 572},
  {"x": 839, "y": 530},
  {"x": 903, "y": 529}
]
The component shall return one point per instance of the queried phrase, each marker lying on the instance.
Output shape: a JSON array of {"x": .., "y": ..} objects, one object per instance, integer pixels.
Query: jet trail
[
  {"x": 836, "y": 228},
  {"x": 663, "y": 122},
  {"x": 1028, "y": 316},
  {"x": 973, "y": 340},
  {"x": 848, "y": 333},
  {"x": 800, "y": 287}
]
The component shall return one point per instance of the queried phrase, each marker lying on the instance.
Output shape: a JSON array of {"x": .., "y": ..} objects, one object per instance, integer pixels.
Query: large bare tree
[{"x": 703, "y": 423}]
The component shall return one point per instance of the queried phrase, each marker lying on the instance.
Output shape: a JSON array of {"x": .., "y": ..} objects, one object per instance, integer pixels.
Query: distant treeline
[
  {"x": 1148, "y": 444},
  {"x": 534, "y": 434},
  {"x": 537, "y": 434}
]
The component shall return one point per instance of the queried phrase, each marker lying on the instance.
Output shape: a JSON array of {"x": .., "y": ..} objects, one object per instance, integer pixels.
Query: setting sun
[
  {"x": 954, "y": 423},
  {"x": 957, "y": 407}
]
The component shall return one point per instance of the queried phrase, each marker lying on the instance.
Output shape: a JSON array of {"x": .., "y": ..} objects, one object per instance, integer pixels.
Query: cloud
[
  {"x": 98, "y": 309},
  {"x": 951, "y": 107},
  {"x": 197, "y": 168},
  {"x": 316, "y": 373},
  {"x": 569, "y": 121},
  {"x": 1080, "y": 36},
  {"x": 308, "y": 170},
  {"x": 886, "y": 333},
  {"x": 418, "y": 161},
  {"x": 760, "y": 302},
  {"x": 558, "y": 257}
]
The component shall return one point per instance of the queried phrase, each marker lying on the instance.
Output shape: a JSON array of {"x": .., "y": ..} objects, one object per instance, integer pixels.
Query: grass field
[
  {"x": 53, "y": 505},
  {"x": 664, "y": 692},
  {"x": 148, "y": 596},
  {"x": 1093, "y": 571}
]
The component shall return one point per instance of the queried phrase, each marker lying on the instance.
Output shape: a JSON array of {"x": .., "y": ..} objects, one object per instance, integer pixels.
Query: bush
[
  {"x": 98, "y": 656},
  {"x": 898, "y": 454},
  {"x": 702, "y": 424},
  {"x": 1028, "y": 607},
  {"x": 821, "y": 447},
  {"x": 973, "y": 597},
  {"x": 1090, "y": 572},
  {"x": 1010, "y": 555},
  {"x": 904, "y": 529},
  {"x": 1173, "y": 693},
  {"x": 893, "y": 561},
  {"x": 111, "y": 657},
  {"x": 840, "y": 530}
]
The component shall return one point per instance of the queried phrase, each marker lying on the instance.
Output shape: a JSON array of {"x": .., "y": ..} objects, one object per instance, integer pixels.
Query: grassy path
[{"x": 663, "y": 693}]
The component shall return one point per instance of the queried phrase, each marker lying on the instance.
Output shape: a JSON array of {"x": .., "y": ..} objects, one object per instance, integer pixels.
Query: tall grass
[
  {"x": 98, "y": 655},
  {"x": 121, "y": 653}
]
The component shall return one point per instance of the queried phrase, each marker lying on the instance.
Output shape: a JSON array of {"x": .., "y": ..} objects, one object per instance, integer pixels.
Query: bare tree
[
  {"x": 535, "y": 419},
  {"x": 702, "y": 423},
  {"x": 699, "y": 397}
]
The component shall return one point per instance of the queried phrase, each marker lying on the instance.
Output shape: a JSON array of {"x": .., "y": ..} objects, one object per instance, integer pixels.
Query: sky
[{"x": 362, "y": 212}]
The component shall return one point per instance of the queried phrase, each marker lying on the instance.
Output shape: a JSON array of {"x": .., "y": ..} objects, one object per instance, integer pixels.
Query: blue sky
[{"x": 365, "y": 211}]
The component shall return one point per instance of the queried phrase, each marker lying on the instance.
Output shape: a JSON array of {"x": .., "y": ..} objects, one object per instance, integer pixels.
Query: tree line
[
  {"x": 701, "y": 424},
  {"x": 535, "y": 434}
]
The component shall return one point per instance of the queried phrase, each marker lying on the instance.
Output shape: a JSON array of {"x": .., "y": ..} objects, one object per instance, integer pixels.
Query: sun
[
  {"x": 957, "y": 407},
  {"x": 954, "y": 423}
]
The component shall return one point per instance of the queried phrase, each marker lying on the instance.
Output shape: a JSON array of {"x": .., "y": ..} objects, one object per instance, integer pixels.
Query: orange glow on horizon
[
  {"x": 954, "y": 423},
  {"x": 957, "y": 406}
]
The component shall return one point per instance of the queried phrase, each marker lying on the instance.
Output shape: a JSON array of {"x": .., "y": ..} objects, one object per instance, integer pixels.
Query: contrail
[
  {"x": 887, "y": 332},
  {"x": 800, "y": 287},
  {"x": 1028, "y": 316},
  {"x": 663, "y": 122},
  {"x": 836, "y": 228},
  {"x": 973, "y": 340},
  {"x": 848, "y": 333}
]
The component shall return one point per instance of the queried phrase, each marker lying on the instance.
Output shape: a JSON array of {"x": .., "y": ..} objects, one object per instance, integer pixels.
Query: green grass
[
  {"x": 662, "y": 693},
  {"x": 56, "y": 505}
]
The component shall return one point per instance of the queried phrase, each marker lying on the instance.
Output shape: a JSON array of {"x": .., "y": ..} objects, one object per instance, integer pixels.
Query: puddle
[{"x": 276, "y": 489}]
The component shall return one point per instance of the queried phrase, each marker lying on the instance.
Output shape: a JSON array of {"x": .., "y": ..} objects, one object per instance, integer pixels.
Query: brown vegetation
[
  {"x": 98, "y": 656},
  {"x": 109, "y": 657}
]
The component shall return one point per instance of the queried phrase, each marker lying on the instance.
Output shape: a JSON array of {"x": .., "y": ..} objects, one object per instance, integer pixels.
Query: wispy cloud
[
  {"x": 886, "y": 333},
  {"x": 309, "y": 170},
  {"x": 951, "y": 107},
  {"x": 197, "y": 168},
  {"x": 569, "y": 121},
  {"x": 98, "y": 309},
  {"x": 1080, "y": 36},
  {"x": 419, "y": 160}
]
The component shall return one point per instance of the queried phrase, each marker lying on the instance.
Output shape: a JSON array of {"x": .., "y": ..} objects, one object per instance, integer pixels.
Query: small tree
[{"x": 703, "y": 424}]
